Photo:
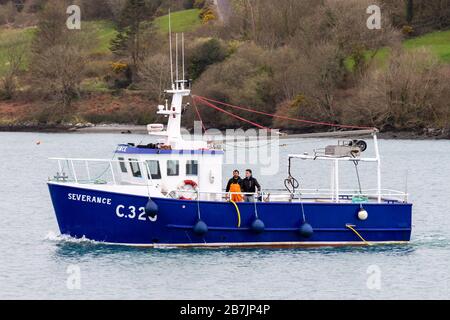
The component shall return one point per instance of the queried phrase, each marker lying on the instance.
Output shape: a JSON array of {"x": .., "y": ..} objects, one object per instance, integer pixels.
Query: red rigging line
[
  {"x": 209, "y": 104},
  {"x": 203, "y": 99},
  {"x": 198, "y": 114}
]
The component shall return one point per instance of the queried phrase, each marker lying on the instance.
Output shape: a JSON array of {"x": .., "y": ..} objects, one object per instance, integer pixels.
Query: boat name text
[{"x": 90, "y": 199}]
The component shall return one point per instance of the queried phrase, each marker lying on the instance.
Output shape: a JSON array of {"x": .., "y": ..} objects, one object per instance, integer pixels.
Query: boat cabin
[{"x": 169, "y": 170}]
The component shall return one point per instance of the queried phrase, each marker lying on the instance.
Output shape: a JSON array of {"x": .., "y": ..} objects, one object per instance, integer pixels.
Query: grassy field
[
  {"x": 182, "y": 21},
  {"x": 437, "y": 42},
  {"x": 12, "y": 37},
  {"x": 103, "y": 30}
]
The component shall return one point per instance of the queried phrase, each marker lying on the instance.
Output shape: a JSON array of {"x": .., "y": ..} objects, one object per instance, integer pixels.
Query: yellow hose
[
  {"x": 357, "y": 233},
  {"x": 238, "y": 212}
]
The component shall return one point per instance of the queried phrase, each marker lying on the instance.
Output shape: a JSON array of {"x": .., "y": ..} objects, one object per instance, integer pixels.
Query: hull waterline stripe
[{"x": 258, "y": 244}]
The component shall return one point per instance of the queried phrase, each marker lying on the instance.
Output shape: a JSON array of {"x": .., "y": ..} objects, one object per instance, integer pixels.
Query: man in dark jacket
[
  {"x": 250, "y": 185},
  {"x": 235, "y": 180}
]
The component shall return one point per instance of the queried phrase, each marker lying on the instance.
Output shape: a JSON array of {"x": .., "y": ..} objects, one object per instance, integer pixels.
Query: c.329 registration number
[{"x": 132, "y": 212}]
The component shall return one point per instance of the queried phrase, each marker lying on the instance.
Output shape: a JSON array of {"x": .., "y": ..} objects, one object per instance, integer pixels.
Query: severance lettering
[{"x": 90, "y": 199}]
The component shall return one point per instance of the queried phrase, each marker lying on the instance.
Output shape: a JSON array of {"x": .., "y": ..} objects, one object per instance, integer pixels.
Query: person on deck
[
  {"x": 234, "y": 186},
  {"x": 250, "y": 185}
]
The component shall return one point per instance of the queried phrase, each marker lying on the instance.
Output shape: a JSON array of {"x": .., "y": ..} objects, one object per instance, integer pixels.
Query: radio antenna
[
  {"x": 182, "y": 41},
  {"x": 176, "y": 57},
  {"x": 170, "y": 48}
]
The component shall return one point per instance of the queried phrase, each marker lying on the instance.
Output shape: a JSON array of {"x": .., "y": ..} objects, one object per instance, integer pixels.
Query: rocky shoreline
[{"x": 428, "y": 134}]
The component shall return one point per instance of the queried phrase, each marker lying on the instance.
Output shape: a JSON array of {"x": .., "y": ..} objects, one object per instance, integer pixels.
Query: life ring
[
  {"x": 187, "y": 190},
  {"x": 191, "y": 183}
]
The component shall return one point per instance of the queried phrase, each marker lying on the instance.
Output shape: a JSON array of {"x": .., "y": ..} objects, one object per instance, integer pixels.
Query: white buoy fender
[{"x": 363, "y": 215}]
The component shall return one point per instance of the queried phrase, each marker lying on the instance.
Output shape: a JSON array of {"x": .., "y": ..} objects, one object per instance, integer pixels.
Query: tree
[
  {"x": 8, "y": 13},
  {"x": 15, "y": 55},
  {"x": 205, "y": 54},
  {"x": 116, "y": 8},
  {"x": 59, "y": 57},
  {"x": 51, "y": 28},
  {"x": 409, "y": 11},
  {"x": 412, "y": 93},
  {"x": 130, "y": 30},
  {"x": 154, "y": 75},
  {"x": 59, "y": 72}
]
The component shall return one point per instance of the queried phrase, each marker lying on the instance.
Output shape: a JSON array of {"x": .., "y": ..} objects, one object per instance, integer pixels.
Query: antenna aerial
[
  {"x": 176, "y": 57},
  {"x": 182, "y": 41},
  {"x": 170, "y": 46}
]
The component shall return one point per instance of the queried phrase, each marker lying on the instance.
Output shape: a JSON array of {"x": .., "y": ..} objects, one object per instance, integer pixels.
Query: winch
[{"x": 352, "y": 148}]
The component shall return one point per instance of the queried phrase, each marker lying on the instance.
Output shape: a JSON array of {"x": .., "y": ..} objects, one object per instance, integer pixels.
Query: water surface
[{"x": 34, "y": 259}]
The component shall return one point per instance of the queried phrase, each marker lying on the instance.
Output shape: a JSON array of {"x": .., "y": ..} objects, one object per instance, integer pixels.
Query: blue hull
[{"x": 120, "y": 219}]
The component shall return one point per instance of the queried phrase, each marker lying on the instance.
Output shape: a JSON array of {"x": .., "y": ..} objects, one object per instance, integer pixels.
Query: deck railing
[
  {"x": 69, "y": 171},
  {"x": 387, "y": 195}
]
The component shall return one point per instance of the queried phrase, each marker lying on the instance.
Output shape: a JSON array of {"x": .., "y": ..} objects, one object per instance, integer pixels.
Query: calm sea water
[{"x": 34, "y": 259}]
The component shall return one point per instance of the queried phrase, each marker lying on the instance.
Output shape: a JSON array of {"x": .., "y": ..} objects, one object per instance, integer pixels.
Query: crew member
[
  {"x": 234, "y": 186},
  {"x": 250, "y": 186}
]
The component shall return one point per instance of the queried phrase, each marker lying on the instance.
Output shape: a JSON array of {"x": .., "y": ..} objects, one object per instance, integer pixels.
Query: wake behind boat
[{"x": 170, "y": 193}]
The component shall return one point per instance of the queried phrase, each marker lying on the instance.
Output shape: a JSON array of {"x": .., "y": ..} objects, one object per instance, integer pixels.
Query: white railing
[
  {"x": 68, "y": 166},
  {"x": 329, "y": 194},
  {"x": 306, "y": 194}
]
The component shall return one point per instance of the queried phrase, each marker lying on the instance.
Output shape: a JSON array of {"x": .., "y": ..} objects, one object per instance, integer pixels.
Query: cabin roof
[{"x": 127, "y": 149}]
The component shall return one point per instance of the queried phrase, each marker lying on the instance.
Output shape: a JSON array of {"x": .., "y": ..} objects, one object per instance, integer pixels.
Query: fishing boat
[{"x": 171, "y": 194}]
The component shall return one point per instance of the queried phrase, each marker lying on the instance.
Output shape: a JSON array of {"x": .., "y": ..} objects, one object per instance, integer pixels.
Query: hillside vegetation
[
  {"x": 103, "y": 30},
  {"x": 307, "y": 59}
]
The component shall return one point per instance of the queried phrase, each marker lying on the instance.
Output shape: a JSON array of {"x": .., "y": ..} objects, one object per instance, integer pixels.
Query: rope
[
  {"x": 284, "y": 117},
  {"x": 238, "y": 212},
  {"x": 352, "y": 228},
  {"x": 356, "y": 163},
  {"x": 303, "y": 208},
  {"x": 357, "y": 176},
  {"x": 198, "y": 114},
  {"x": 256, "y": 210},
  {"x": 198, "y": 207},
  {"x": 205, "y": 102}
]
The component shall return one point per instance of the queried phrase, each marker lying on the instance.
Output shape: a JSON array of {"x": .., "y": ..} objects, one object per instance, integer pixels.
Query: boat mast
[
  {"x": 179, "y": 90},
  {"x": 170, "y": 48}
]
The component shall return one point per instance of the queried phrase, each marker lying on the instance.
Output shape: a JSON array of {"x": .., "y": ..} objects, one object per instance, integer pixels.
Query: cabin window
[
  {"x": 192, "y": 168},
  {"x": 155, "y": 170},
  {"x": 123, "y": 167},
  {"x": 173, "y": 168},
  {"x": 135, "y": 168}
]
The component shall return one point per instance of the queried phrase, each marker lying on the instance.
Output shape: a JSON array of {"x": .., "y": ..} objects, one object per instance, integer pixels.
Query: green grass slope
[
  {"x": 104, "y": 32},
  {"x": 182, "y": 21},
  {"x": 12, "y": 37},
  {"x": 437, "y": 42}
]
